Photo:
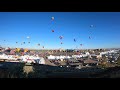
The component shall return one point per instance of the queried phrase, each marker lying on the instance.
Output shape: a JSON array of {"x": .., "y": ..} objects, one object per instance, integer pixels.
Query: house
[{"x": 90, "y": 62}]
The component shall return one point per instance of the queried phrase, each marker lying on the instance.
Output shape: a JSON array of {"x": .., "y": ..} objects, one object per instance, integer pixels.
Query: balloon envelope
[
  {"x": 52, "y": 18},
  {"x": 52, "y": 30}
]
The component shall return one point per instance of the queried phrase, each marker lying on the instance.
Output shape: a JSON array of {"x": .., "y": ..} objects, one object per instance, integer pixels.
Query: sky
[{"x": 17, "y": 26}]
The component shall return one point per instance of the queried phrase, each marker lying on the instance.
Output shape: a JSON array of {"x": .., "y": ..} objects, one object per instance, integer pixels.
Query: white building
[{"x": 33, "y": 59}]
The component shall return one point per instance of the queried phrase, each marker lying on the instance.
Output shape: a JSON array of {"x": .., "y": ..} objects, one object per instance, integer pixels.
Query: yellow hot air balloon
[
  {"x": 25, "y": 50},
  {"x": 18, "y": 49}
]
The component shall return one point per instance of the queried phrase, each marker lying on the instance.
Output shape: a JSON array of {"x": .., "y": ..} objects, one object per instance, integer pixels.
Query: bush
[{"x": 12, "y": 70}]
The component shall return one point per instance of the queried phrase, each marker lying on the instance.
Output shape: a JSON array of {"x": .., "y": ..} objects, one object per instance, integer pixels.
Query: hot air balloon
[
  {"x": 21, "y": 49},
  {"x": 38, "y": 44},
  {"x": 89, "y": 37},
  {"x": 52, "y": 30},
  {"x": 80, "y": 44},
  {"x": 52, "y": 18},
  {"x": 17, "y": 49},
  {"x": 60, "y": 37},
  {"x": 74, "y": 40},
  {"x": 25, "y": 50}
]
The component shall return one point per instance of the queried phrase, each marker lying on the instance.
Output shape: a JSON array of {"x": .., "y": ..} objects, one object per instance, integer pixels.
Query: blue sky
[{"x": 16, "y": 26}]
